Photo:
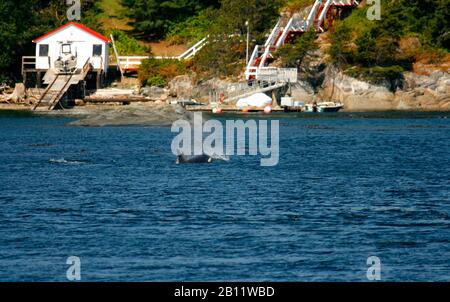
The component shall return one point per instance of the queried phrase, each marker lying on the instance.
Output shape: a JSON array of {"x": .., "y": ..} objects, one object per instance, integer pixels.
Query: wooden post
[
  {"x": 99, "y": 83},
  {"x": 274, "y": 99},
  {"x": 117, "y": 57},
  {"x": 38, "y": 79}
]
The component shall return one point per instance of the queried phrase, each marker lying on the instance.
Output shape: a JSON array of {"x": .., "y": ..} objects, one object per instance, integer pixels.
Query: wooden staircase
[
  {"x": 286, "y": 28},
  {"x": 58, "y": 85}
]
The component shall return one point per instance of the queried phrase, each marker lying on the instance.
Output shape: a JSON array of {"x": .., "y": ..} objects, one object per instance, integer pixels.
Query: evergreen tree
[{"x": 154, "y": 18}]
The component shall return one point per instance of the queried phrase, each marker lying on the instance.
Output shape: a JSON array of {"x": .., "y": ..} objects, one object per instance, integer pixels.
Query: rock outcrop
[
  {"x": 419, "y": 92},
  {"x": 181, "y": 87},
  {"x": 134, "y": 114},
  {"x": 155, "y": 93}
]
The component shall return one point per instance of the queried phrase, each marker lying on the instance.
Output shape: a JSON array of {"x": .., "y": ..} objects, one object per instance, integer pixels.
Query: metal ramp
[{"x": 58, "y": 85}]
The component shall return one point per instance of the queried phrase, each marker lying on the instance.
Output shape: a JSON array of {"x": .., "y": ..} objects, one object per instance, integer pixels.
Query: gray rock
[
  {"x": 155, "y": 93},
  {"x": 181, "y": 87}
]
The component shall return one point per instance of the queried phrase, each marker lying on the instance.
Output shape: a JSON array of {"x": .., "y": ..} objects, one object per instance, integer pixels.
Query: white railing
[
  {"x": 134, "y": 62},
  {"x": 270, "y": 42},
  {"x": 253, "y": 57},
  {"x": 277, "y": 75},
  {"x": 313, "y": 13},
  {"x": 191, "y": 52},
  {"x": 251, "y": 68},
  {"x": 345, "y": 2},
  {"x": 284, "y": 34},
  {"x": 273, "y": 35},
  {"x": 131, "y": 62},
  {"x": 277, "y": 37},
  {"x": 323, "y": 14},
  {"x": 272, "y": 74}
]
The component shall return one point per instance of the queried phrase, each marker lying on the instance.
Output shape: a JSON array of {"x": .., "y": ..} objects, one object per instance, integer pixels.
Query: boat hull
[{"x": 330, "y": 109}]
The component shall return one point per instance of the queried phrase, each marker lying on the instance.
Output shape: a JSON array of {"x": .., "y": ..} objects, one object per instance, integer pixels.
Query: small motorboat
[{"x": 324, "y": 107}]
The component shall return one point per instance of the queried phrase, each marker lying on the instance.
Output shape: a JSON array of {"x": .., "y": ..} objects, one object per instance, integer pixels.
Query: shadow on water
[{"x": 16, "y": 113}]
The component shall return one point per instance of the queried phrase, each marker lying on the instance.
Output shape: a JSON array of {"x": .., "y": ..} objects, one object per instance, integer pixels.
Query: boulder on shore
[
  {"x": 155, "y": 93},
  {"x": 181, "y": 87}
]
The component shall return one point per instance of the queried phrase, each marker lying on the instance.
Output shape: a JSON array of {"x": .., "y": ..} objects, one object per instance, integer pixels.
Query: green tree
[
  {"x": 340, "y": 50},
  {"x": 295, "y": 54},
  {"x": 225, "y": 53},
  {"x": 154, "y": 18}
]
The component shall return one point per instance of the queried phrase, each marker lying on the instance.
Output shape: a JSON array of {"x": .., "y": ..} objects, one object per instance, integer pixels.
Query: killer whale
[{"x": 196, "y": 159}]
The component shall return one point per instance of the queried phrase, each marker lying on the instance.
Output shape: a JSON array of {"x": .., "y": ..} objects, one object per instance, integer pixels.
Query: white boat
[{"x": 323, "y": 107}]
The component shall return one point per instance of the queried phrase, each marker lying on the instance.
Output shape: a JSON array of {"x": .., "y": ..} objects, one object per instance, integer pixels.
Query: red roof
[{"x": 80, "y": 26}]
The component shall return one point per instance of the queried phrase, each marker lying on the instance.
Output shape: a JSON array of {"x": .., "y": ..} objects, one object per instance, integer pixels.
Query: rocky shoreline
[{"x": 430, "y": 92}]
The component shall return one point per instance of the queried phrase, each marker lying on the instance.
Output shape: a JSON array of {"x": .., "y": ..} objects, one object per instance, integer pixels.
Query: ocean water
[{"x": 348, "y": 186}]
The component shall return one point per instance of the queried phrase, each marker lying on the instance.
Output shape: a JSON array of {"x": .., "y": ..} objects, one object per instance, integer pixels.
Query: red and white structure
[
  {"x": 285, "y": 30},
  {"x": 76, "y": 39},
  {"x": 68, "y": 56}
]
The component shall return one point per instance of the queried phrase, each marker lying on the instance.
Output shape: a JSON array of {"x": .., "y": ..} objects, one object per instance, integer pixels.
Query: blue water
[{"x": 348, "y": 186}]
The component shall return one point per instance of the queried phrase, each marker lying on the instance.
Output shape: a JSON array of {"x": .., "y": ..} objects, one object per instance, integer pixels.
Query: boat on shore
[{"x": 290, "y": 105}]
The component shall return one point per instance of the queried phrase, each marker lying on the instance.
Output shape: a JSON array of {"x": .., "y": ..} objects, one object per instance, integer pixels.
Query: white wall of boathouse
[{"x": 82, "y": 46}]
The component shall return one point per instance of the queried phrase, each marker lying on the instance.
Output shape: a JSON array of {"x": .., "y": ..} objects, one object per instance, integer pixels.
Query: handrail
[
  {"x": 194, "y": 49},
  {"x": 87, "y": 66},
  {"x": 274, "y": 38},
  {"x": 323, "y": 13},
  {"x": 313, "y": 13},
  {"x": 273, "y": 33},
  {"x": 61, "y": 92},
  {"x": 253, "y": 57},
  {"x": 126, "y": 61},
  {"x": 25, "y": 63},
  {"x": 45, "y": 92},
  {"x": 314, "y": 19},
  {"x": 285, "y": 32}
]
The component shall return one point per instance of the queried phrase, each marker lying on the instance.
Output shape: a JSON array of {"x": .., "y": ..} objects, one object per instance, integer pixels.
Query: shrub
[
  {"x": 294, "y": 6},
  {"x": 379, "y": 75},
  {"x": 154, "y": 72},
  {"x": 156, "y": 80}
]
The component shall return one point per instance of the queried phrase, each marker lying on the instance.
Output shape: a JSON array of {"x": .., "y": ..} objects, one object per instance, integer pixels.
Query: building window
[
  {"x": 43, "y": 50},
  {"x": 97, "y": 50},
  {"x": 66, "y": 49}
]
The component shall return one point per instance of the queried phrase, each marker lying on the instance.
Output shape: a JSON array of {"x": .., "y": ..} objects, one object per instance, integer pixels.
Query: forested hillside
[{"x": 409, "y": 30}]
